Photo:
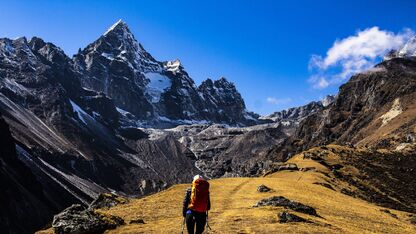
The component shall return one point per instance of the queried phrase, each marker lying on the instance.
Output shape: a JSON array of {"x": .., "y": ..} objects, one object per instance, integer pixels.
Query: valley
[
  {"x": 114, "y": 120},
  {"x": 338, "y": 203}
]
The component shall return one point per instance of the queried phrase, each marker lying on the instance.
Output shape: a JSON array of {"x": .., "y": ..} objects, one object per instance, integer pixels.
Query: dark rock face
[
  {"x": 223, "y": 103},
  {"x": 158, "y": 93},
  {"x": 357, "y": 113},
  {"x": 286, "y": 217},
  {"x": 101, "y": 108},
  {"x": 109, "y": 65},
  {"x": 77, "y": 219},
  {"x": 390, "y": 173},
  {"x": 284, "y": 202},
  {"x": 263, "y": 189},
  {"x": 228, "y": 152},
  {"x": 69, "y": 147},
  {"x": 21, "y": 191},
  {"x": 107, "y": 200}
]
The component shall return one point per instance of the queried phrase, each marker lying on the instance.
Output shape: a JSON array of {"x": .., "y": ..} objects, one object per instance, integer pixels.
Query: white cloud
[
  {"x": 318, "y": 81},
  {"x": 277, "y": 101},
  {"x": 354, "y": 54}
]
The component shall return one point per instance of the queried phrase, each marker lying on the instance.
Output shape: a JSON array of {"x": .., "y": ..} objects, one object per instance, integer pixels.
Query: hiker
[{"x": 196, "y": 205}]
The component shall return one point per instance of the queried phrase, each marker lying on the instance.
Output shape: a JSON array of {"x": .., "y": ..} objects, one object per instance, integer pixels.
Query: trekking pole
[
  {"x": 207, "y": 225},
  {"x": 183, "y": 225}
]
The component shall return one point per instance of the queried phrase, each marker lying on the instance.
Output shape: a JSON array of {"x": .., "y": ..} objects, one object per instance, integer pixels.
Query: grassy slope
[{"x": 233, "y": 198}]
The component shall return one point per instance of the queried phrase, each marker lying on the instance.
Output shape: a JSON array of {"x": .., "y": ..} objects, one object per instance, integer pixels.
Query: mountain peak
[
  {"x": 120, "y": 25},
  {"x": 327, "y": 100},
  {"x": 224, "y": 83},
  {"x": 408, "y": 50}
]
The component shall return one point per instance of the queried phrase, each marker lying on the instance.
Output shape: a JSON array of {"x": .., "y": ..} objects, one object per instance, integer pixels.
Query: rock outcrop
[
  {"x": 107, "y": 200},
  {"x": 263, "y": 189},
  {"x": 77, "y": 219},
  {"x": 286, "y": 217},
  {"x": 286, "y": 203}
]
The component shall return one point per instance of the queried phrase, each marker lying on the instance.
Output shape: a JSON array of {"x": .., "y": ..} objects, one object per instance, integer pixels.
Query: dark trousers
[{"x": 196, "y": 219}]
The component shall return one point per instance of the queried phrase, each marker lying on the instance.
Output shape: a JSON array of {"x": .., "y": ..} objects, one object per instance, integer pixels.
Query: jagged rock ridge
[
  {"x": 297, "y": 114},
  {"x": 153, "y": 91}
]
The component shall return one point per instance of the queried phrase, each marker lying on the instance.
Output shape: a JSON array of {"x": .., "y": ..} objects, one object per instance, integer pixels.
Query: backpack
[{"x": 199, "y": 196}]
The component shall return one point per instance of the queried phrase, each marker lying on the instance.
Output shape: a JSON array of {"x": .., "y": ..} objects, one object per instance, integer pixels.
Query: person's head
[{"x": 197, "y": 177}]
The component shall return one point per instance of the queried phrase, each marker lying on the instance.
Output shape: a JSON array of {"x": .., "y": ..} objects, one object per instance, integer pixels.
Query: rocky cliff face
[
  {"x": 155, "y": 93},
  {"x": 375, "y": 108},
  {"x": 26, "y": 203},
  {"x": 224, "y": 151},
  {"x": 294, "y": 114},
  {"x": 223, "y": 103},
  {"x": 70, "y": 137}
]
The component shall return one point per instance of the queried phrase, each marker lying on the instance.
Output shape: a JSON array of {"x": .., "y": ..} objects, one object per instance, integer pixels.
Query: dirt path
[
  {"x": 222, "y": 212},
  {"x": 228, "y": 199}
]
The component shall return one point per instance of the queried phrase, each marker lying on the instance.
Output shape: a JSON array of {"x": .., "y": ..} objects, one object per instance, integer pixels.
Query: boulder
[
  {"x": 286, "y": 217},
  {"x": 107, "y": 200},
  {"x": 263, "y": 189},
  {"x": 305, "y": 169},
  {"x": 77, "y": 219},
  {"x": 137, "y": 221},
  {"x": 284, "y": 202},
  {"x": 288, "y": 167}
]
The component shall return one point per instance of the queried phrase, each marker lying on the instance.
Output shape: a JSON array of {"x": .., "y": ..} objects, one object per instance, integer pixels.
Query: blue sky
[{"x": 264, "y": 47}]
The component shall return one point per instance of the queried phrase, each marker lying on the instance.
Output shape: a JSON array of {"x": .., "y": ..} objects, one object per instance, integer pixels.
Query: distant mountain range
[{"x": 114, "y": 119}]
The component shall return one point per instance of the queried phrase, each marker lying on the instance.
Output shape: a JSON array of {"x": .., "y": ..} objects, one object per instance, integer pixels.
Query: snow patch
[
  {"x": 6, "y": 47},
  {"x": 173, "y": 66},
  {"x": 409, "y": 49},
  {"x": 395, "y": 110},
  {"x": 248, "y": 116},
  {"x": 183, "y": 121},
  {"x": 113, "y": 27},
  {"x": 108, "y": 56},
  {"x": 80, "y": 112},
  {"x": 122, "y": 112},
  {"x": 157, "y": 85}
]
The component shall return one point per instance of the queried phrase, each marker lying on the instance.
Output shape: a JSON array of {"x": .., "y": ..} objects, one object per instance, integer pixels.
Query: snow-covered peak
[
  {"x": 118, "y": 44},
  {"x": 120, "y": 37},
  {"x": 173, "y": 66},
  {"x": 409, "y": 49},
  {"x": 120, "y": 24}
]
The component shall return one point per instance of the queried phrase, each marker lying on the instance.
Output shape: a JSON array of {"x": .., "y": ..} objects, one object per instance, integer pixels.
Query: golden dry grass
[{"x": 233, "y": 212}]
